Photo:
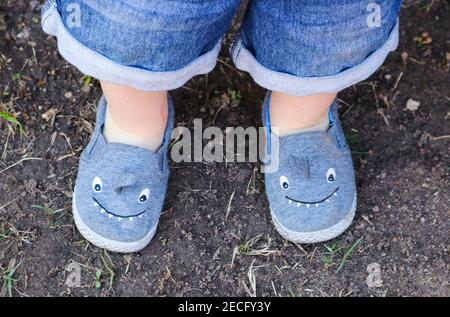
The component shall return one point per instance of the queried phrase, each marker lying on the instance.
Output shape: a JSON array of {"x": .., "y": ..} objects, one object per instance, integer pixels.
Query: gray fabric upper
[
  {"x": 312, "y": 200},
  {"x": 113, "y": 179}
]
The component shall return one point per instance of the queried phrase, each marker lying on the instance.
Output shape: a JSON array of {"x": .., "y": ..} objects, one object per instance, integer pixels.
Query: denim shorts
[{"x": 299, "y": 47}]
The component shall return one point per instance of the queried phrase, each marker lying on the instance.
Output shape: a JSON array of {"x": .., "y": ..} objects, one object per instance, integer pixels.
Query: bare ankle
[
  {"x": 135, "y": 117},
  {"x": 293, "y": 114}
]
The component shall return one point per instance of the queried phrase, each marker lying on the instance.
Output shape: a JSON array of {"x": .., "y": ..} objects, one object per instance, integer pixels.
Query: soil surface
[{"x": 400, "y": 151}]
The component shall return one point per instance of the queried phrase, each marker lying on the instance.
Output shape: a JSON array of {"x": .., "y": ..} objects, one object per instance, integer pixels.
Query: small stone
[
  {"x": 412, "y": 105},
  {"x": 426, "y": 38},
  {"x": 24, "y": 34},
  {"x": 376, "y": 209},
  {"x": 49, "y": 114},
  {"x": 404, "y": 57},
  {"x": 68, "y": 95}
]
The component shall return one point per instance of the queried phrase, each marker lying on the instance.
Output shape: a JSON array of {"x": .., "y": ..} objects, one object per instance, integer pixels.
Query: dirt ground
[{"x": 401, "y": 155}]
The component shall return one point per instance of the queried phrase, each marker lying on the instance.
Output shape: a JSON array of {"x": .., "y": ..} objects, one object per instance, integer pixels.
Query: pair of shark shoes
[{"x": 120, "y": 189}]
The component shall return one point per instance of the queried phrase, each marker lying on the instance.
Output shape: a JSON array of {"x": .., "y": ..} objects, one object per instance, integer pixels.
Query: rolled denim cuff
[
  {"x": 306, "y": 86},
  {"x": 101, "y": 67}
]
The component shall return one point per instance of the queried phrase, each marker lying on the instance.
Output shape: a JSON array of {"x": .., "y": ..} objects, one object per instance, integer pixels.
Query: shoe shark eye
[
  {"x": 143, "y": 196},
  {"x": 331, "y": 175},
  {"x": 284, "y": 182},
  {"x": 97, "y": 184}
]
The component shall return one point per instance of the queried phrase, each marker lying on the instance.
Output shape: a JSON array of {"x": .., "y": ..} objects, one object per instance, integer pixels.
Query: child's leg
[
  {"x": 293, "y": 114},
  {"x": 134, "y": 116},
  {"x": 138, "y": 50},
  {"x": 305, "y": 52}
]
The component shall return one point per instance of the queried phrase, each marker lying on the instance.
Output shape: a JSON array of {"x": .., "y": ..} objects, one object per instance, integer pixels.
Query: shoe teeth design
[
  {"x": 299, "y": 204},
  {"x": 290, "y": 201},
  {"x": 307, "y": 205},
  {"x": 328, "y": 200},
  {"x": 335, "y": 194},
  {"x": 131, "y": 219},
  {"x": 317, "y": 205}
]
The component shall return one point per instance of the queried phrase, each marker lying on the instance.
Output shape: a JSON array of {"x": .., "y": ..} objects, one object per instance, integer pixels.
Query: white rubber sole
[
  {"x": 104, "y": 243},
  {"x": 316, "y": 236}
]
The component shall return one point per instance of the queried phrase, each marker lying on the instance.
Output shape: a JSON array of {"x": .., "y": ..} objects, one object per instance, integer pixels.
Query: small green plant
[
  {"x": 5, "y": 92},
  {"x": 348, "y": 253},
  {"x": 234, "y": 94},
  {"x": 256, "y": 246},
  {"x": 353, "y": 137},
  {"x": 5, "y": 234},
  {"x": 108, "y": 268},
  {"x": 293, "y": 294},
  {"x": 330, "y": 253},
  {"x": 86, "y": 80},
  {"x": 9, "y": 118},
  {"x": 51, "y": 214},
  {"x": 16, "y": 76},
  {"x": 243, "y": 248},
  {"x": 8, "y": 277}
]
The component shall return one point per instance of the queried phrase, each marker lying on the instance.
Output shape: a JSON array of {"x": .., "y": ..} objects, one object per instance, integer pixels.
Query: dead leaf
[{"x": 49, "y": 115}]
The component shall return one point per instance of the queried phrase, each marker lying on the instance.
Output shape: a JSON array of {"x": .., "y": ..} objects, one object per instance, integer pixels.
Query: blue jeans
[{"x": 299, "y": 47}]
